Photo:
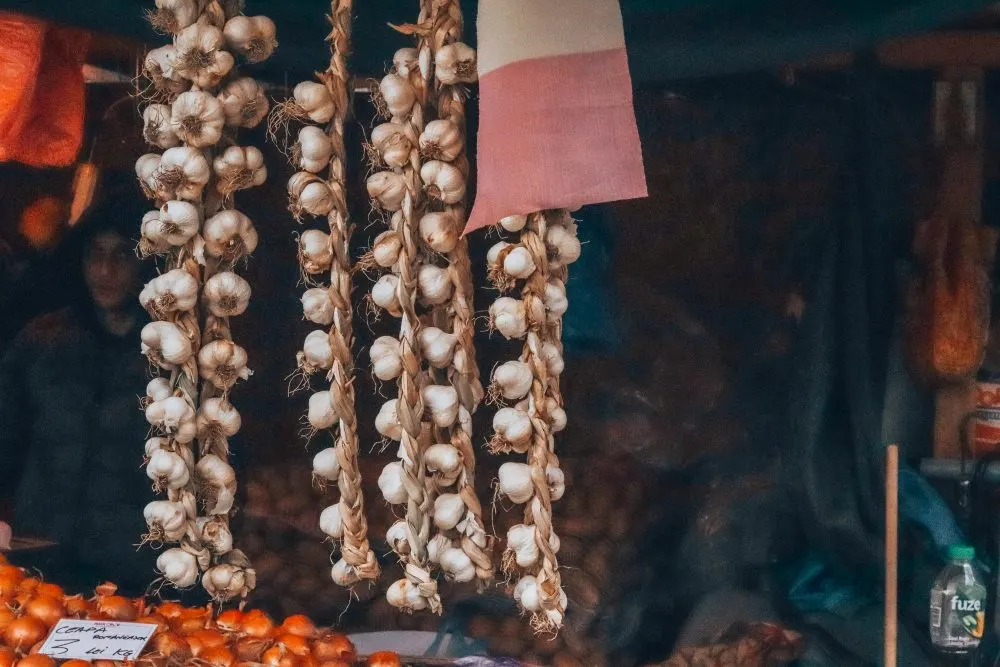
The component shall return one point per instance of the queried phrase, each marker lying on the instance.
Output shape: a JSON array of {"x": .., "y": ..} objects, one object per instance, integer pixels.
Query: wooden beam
[{"x": 936, "y": 50}]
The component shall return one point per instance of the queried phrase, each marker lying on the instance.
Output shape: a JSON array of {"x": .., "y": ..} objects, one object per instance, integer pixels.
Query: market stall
[{"x": 403, "y": 406}]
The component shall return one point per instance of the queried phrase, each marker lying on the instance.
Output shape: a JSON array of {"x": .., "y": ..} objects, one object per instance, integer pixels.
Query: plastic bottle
[{"x": 958, "y": 604}]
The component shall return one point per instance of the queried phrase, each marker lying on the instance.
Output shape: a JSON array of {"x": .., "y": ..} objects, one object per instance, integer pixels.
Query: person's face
[{"x": 110, "y": 269}]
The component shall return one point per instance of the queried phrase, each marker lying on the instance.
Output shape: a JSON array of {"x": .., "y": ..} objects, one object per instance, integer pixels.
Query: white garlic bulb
[
  {"x": 200, "y": 56},
  {"x": 313, "y": 149},
  {"x": 238, "y": 168},
  {"x": 556, "y": 303},
  {"x": 172, "y": 16},
  {"x": 385, "y": 293},
  {"x": 176, "y": 224},
  {"x": 317, "y": 306},
  {"x": 404, "y": 594},
  {"x": 515, "y": 481},
  {"x": 227, "y": 294},
  {"x": 552, "y": 356},
  {"x": 314, "y": 100},
  {"x": 159, "y": 67},
  {"x": 393, "y": 143},
  {"x": 178, "y": 567},
  {"x": 330, "y": 522},
  {"x": 315, "y": 251},
  {"x": 196, "y": 118},
  {"x": 217, "y": 419},
  {"x": 214, "y": 534},
  {"x": 434, "y": 284},
  {"x": 449, "y": 510},
  {"x": 174, "y": 416},
  {"x": 317, "y": 353},
  {"x": 513, "y": 426},
  {"x": 514, "y": 223},
  {"x": 441, "y": 403},
  {"x": 167, "y": 521},
  {"x": 182, "y": 173},
  {"x": 386, "y": 248},
  {"x": 444, "y": 461},
  {"x": 252, "y": 37},
  {"x": 457, "y": 565},
  {"x": 310, "y": 194},
  {"x": 387, "y": 364},
  {"x": 455, "y": 63},
  {"x": 229, "y": 235},
  {"x": 437, "y": 346},
  {"x": 156, "y": 128},
  {"x": 223, "y": 362},
  {"x": 405, "y": 61},
  {"x": 387, "y": 421},
  {"x": 563, "y": 244},
  {"x": 387, "y": 189},
  {"x": 396, "y": 537},
  {"x": 526, "y": 594},
  {"x": 343, "y": 574},
  {"x": 173, "y": 291},
  {"x": 513, "y": 379},
  {"x": 440, "y": 231},
  {"x": 326, "y": 465},
  {"x": 398, "y": 95},
  {"x": 390, "y": 482},
  {"x": 145, "y": 171},
  {"x": 443, "y": 180},
  {"x": 158, "y": 389},
  {"x": 321, "y": 414},
  {"x": 442, "y": 140},
  {"x": 244, "y": 103},
  {"x": 508, "y": 316},
  {"x": 167, "y": 470},
  {"x": 165, "y": 345}
]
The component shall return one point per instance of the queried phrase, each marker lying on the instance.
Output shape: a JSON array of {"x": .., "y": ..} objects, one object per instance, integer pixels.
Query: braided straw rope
[
  {"x": 464, "y": 372},
  {"x": 355, "y": 549},
  {"x": 540, "y": 454}
]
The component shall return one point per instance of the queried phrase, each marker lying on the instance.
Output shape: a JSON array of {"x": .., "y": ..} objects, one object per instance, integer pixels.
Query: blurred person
[{"x": 71, "y": 431}]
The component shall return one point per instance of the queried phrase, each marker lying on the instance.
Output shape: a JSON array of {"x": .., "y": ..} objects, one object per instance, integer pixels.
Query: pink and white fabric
[{"x": 556, "y": 124}]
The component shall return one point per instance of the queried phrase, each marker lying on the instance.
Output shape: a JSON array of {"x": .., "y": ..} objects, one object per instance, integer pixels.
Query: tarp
[{"x": 666, "y": 39}]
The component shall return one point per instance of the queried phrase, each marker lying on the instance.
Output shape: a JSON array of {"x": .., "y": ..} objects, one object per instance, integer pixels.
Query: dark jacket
[{"x": 71, "y": 444}]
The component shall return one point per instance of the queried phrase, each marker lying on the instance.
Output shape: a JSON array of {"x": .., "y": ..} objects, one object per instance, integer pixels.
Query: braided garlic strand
[
  {"x": 201, "y": 241},
  {"x": 546, "y": 245}
]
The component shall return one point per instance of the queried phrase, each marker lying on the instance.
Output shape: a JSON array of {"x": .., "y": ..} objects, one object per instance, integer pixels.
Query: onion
[
  {"x": 24, "y": 632},
  {"x": 46, "y": 609},
  {"x": 334, "y": 646},
  {"x": 298, "y": 625}
]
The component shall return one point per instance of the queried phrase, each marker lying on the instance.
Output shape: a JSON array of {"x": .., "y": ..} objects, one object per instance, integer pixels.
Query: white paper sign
[{"x": 97, "y": 640}]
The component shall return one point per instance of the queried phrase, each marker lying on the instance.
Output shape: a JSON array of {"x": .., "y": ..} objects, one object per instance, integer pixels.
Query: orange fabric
[{"x": 41, "y": 91}]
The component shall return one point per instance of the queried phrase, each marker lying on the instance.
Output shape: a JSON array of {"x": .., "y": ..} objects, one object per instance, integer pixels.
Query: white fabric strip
[{"x": 512, "y": 30}]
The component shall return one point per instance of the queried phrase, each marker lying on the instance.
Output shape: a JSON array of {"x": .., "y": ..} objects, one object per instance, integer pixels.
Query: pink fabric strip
[{"x": 556, "y": 132}]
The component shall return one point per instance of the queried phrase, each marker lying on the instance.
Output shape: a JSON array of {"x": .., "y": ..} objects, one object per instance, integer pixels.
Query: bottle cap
[{"x": 961, "y": 552}]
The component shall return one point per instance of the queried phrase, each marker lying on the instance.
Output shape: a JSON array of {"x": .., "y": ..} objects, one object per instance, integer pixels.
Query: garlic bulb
[
  {"x": 200, "y": 56},
  {"x": 330, "y": 522},
  {"x": 393, "y": 143},
  {"x": 387, "y": 364},
  {"x": 167, "y": 470},
  {"x": 159, "y": 67},
  {"x": 156, "y": 128},
  {"x": 145, "y": 171},
  {"x": 390, "y": 482},
  {"x": 153, "y": 241},
  {"x": 437, "y": 347},
  {"x": 442, "y": 140},
  {"x": 521, "y": 542},
  {"x": 441, "y": 403},
  {"x": 386, "y": 247},
  {"x": 518, "y": 263},
  {"x": 196, "y": 118},
  {"x": 457, "y": 565},
  {"x": 223, "y": 362},
  {"x": 167, "y": 521},
  {"x": 344, "y": 574},
  {"x": 387, "y": 189},
  {"x": 387, "y": 421},
  {"x": 225, "y": 581},
  {"x": 385, "y": 293},
  {"x": 326, "y": 465},
  {"x": 455, "y": 63},
  {"x": 315, "y": 101},
  {"x": 514, "y": 223},
  {"x": 154, "y": 444},
  {"x": 552, "y": 356},
  {"x": 244, "y": 103},
  {"x": 437, "y": 546},
  {"x": 443, "y": 181},
  {"x": 229, "y": 235},
  {"x": 563, "y": 243},
  {"x": 176, "y": 224},
  {"x": 238, "y": 168},
  {"x": 397, "y": 539},
  {"x": 434, "y": 284},
  {"x": 404, "y": 594},
  {"x": 310, "y": 194},
  {"x": 440, "y": 231},
  {"x": 515, "y": 481},
  {"x": 445, "y": 461},
  {"x": 315, "y": 251},
  {"x": 252, "y": 37},
  {"x": 172, "y": 16},
  {"x": 321, "y": 414},
  {"x": 158, "y": 389},
  {"x": 556, "y": 303},
  {"x": 313, "y": 149},
  {"x": 398, "y": 95},
  {"x": 216, "y": 482},
  {"x": 165, "y": 345},
  {"x": 557, "y": 416},
  {"x": 173, "y": 291},
  {"x": 449, "y": 509},
  {"x": 174, "y": 416},
  {"x": 178, "y": 567},
  {"x": 557, "y": 482},
  {"x": 317, "y": 353},
  {"x": 317, "y": 306},
  {"x": 508, "y": 316},
  {"x": 405, "y": 61},
  {"x": 513, "y": 379},
  {"x": 526, "y": 593},
  {"x": 513, "y": 427},
  {"x": 227, "y": 294},
  {"x": 217, "y": 420},
  {"x": 214, "y": 534},
  {"x": 182, "y": 173}
]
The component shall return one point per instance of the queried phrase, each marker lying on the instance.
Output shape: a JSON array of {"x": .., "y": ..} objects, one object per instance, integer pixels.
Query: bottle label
[{"x": 970, "y": 612}]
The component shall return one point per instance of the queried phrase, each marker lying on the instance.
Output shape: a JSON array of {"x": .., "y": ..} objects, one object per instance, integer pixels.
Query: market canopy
[{"x": 667, "y": 39}]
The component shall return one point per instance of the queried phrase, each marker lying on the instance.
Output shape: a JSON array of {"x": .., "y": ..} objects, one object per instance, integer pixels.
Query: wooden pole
[{"x": 891, "y": 551}]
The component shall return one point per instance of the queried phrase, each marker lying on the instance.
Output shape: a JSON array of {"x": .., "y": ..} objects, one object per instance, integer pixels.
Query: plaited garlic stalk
[
  {"x": 318, "y": 189},
  {"x": 423, "y": 412},
  {"x": 466, "y": 547},
  {"x": 546, "y": 244},
  {"x": 198, "y": 103}
]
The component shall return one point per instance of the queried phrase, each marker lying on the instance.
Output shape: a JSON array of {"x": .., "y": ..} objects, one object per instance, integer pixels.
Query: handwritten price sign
[{"x": 97, "y": 640}]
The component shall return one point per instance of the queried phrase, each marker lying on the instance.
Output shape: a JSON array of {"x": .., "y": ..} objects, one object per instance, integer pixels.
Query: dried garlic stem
[{"x": 355, "y": 550}]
